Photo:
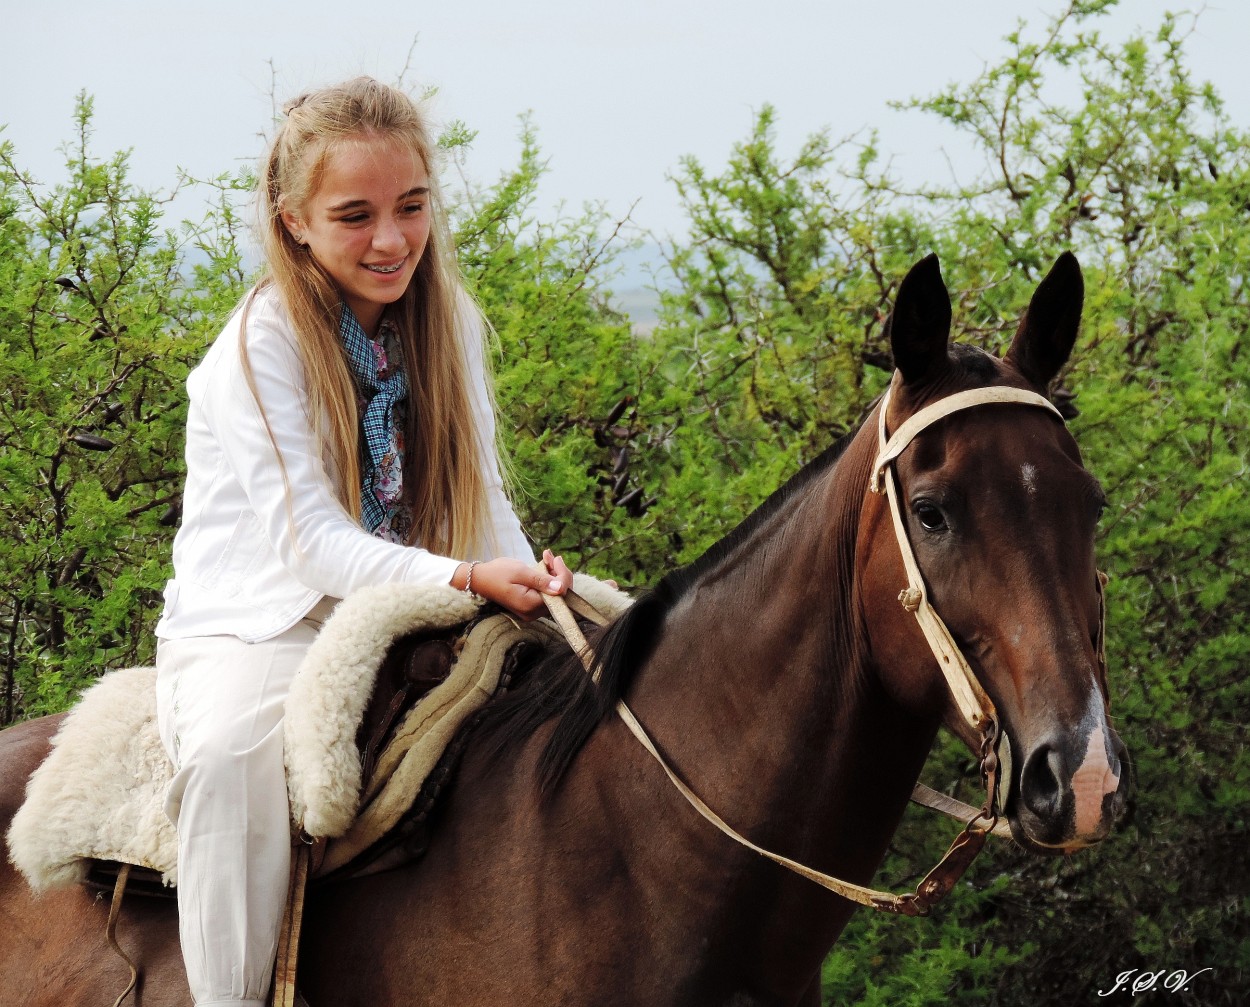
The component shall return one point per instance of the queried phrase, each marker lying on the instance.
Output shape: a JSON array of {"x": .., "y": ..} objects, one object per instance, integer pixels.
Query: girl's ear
[{"x": 293, "y": 225}]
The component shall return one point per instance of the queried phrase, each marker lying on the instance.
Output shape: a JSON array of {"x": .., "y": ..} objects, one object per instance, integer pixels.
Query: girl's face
[{"x": 367, "y": 223}]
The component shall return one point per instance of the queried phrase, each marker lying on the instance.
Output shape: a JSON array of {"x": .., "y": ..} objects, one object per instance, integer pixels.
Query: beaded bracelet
[{"x": 468, "y": 583}]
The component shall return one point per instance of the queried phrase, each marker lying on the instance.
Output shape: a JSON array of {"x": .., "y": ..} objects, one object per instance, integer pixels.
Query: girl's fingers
[{"x": 558, "y": 569}]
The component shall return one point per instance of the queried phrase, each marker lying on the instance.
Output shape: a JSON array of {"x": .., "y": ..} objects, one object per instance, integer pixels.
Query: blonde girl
[{"x": 340, "y": 434}]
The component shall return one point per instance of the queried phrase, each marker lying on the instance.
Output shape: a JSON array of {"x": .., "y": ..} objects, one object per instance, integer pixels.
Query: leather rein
[{"x": 972, "y": 703}]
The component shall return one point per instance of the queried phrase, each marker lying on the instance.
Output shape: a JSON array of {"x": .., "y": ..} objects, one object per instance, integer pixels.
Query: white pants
[{"x": 220, "y": 704}]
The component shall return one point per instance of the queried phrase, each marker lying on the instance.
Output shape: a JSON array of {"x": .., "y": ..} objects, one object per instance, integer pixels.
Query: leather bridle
[{"x": 972, "y": 703}]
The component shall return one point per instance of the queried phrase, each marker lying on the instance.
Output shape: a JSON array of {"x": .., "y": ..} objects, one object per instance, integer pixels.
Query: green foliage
[
  {"x": 98, "y": 326},
  {"x": 569, "y": 378},
  {"x": 772, "y": 333}
]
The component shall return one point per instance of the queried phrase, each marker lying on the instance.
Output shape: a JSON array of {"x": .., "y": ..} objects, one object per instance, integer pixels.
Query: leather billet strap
[
  {"x": 284, "y": 993},
  {"x": 110, "y": 931}
]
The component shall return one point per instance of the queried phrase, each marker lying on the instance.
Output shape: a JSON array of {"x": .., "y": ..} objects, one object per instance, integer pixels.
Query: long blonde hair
[{"x": 444, "y": 486}]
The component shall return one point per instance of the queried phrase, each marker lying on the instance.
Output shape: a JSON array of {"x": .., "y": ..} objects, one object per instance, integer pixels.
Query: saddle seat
[{"x": 414, "y": 665}]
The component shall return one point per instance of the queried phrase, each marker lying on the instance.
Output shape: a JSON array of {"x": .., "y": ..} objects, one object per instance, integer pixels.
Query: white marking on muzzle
[{"x": 1093, "y": 781}]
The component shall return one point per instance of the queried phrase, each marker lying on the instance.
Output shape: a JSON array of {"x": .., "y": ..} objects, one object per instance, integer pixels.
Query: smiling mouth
[{"x": 384, "y": 270}]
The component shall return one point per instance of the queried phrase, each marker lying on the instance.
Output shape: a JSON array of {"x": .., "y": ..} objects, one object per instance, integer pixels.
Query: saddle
[
  {"x": 414, "y": 666},
  {"x": 395, "y": 677}
]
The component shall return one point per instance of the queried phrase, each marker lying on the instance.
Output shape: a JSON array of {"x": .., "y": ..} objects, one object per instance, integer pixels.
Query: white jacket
[{"x": 238, "y": 570}]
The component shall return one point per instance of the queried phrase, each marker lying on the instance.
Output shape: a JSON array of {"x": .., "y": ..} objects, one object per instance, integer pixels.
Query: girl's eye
[
  {"x": 355, "y": 218},
  {"x": 414, "y": 208},
  {"x": 929, "y": 516}
]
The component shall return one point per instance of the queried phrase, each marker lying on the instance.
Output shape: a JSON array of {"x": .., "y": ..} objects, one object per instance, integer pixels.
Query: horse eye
[{"x": 930, "y": 518}]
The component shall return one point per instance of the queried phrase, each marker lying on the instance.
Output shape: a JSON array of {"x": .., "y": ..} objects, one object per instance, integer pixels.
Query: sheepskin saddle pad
[{"x": 99, "y": 796}]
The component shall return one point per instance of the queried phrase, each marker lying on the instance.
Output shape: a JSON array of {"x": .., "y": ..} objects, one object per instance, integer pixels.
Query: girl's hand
[{"x": 515, "y": 585}]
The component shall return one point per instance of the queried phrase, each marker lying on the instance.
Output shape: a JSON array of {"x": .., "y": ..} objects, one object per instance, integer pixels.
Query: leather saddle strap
[
  {"x": 110, "y": 931},
  {"x": 288, "y": 939}
]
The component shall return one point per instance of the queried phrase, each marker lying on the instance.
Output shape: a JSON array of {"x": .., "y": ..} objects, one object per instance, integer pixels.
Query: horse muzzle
[{"x": 1070, "y": 790}]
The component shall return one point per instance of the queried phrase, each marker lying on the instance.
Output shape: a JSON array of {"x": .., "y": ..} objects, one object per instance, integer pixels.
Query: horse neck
[
  {"x": 764, "y": 696},
  {"x": 770, "y": 631}
]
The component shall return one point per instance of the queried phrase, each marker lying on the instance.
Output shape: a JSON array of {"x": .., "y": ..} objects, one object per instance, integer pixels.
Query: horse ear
[
  {"x": 1048, "y": 329},
  {"x": 920, "y": 324}
]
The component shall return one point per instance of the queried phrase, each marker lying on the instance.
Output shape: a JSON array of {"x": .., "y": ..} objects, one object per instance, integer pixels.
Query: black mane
[{"x": 559, "y": 687}]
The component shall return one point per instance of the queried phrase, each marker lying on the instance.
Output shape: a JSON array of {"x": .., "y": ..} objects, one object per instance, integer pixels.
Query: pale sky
[{"x": 618, "y": 93}]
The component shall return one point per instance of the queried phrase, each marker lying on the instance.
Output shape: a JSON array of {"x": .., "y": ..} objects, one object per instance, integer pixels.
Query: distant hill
[{"x": 640, "y": 274}]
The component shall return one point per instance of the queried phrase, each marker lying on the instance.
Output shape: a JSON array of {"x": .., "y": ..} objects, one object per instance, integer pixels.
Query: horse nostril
[{"x": 1041, "y": 788}]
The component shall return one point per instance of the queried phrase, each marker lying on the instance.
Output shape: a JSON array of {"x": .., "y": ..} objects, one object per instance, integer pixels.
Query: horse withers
[{"x": 781, "y": 678}]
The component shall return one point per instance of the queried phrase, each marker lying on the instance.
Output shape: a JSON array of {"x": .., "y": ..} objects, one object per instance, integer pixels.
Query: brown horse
[{"x": 780, "y": 676}]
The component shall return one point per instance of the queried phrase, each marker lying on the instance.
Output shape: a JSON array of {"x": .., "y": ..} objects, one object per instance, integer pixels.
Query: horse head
[{"x": 1001, "y": 513}]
